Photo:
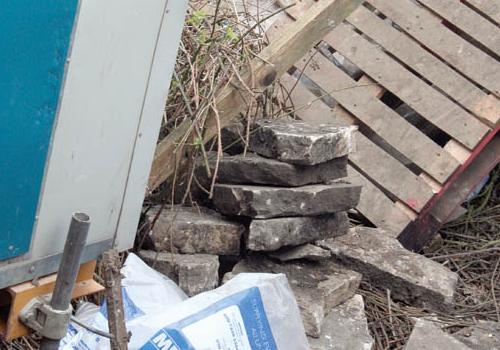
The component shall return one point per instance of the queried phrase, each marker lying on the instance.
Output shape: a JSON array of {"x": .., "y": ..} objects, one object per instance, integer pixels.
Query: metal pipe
[{"x": 68, "y": 269}]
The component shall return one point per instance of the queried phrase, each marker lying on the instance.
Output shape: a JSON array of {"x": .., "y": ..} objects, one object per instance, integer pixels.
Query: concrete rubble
[
  {"x": 345, "y": 327},
  {"x": 294, "y": 231},
  {"x": 318, "y": 287},
  {"x": 283, "y": 209},
  {"x": 485, "y": 335},
  {"x": 194, "y": 274},
  {"x": 263, "y": 202},
  {"x": 427, "y": 335},
  {"x": 297, "y": 142},
  {"x": 190, "y": 230},
  {"x": 411, "y": 277}
]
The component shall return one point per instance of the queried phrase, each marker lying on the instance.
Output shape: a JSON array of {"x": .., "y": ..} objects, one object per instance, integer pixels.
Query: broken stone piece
[
  {"x": 427, "y": 335},
  {"x": 266, "y": 202},
  {"x": 301, "y": 143},
  {"x": 318, "y": 287},
  {"x": 272, "y": 234},
  {"x": 483, "y": 336},
  {"x": 345, "y": 327},
  {"x": 192, "y": 230},
  {"x": 412, "y": 277},
  {"x": 254, "y": 169},
  {"x": 307, "y": 252},
  {"x": 193, "y": 273}
]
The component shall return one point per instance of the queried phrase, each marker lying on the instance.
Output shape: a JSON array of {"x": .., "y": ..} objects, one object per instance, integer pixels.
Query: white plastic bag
[
  {"x": 145, "y": 291},
  {"x": 253, "y": 311}
]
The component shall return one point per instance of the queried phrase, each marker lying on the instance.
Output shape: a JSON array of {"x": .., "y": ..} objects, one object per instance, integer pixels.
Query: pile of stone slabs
[{"x": 291, "y": 188}]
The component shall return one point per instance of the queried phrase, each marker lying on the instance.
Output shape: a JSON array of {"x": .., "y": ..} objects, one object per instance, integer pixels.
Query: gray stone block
[
  {"x": 426, "y": 335},
  {"x": 190, "y": 230},
  {"x": 193, "y": 273},
  {"x": 254, "y": 169},
  {"x": 485, "y": 335},
  {"x": 272, "y": 234},
  {"x": 266, "y": 202},
  {"x": 301, "y": 143},
  {"x": 318, "y": 287},
  {"x": 306, "y": 252},
  {"x": 345, "y": 327},
  {"x": 412, "y": 277}
]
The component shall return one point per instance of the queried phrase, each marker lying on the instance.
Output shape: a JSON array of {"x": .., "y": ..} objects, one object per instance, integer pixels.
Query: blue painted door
[{"x": 34, "y": 41}]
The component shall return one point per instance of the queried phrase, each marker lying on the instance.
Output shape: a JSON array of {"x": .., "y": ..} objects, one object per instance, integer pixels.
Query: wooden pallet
[{"x": 440, "y": 58}]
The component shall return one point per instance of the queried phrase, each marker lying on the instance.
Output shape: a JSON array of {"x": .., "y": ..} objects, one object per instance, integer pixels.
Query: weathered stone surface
[
  {"x": 426, "y": 335},
  {"x": 483, "y": 336},
  {"x": 318, "y": 287},
  {"x": 192, "y": 230},
  {"x": 301, "y": 143},
  {"x": 193, "y": 273},
  {"x": 254, "y": 169},
  {"x": 233, "y": 138},
  {"x": 266, "y": 202},
  {"x": 385, "y": 263},
  {"x": 272, "y": 234},
  {"x": 345, "y": 327},
  {"x": 306, "y": 252}
]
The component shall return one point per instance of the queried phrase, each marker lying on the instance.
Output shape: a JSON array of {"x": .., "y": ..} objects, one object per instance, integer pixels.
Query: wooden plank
[
  {"x": 490, "y": 8},
  {"x": 377, "y": 207},
  {"x": 458, "y": 151},
  {"x": 486, "y": 107},
  {"x": 381, "y": 119},
  {"x": 425, "y": 100},
  {"x": 271, "y": 63},
  {"x": 371, "y": 160},
  {"x": 468, "y": 21},
  {"x": 22, "y": 293},
  {"x": 428, "y": 30}
]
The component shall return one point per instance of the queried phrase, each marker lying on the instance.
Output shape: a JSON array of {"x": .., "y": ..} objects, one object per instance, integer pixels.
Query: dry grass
[{"x": 220, "y": 38}]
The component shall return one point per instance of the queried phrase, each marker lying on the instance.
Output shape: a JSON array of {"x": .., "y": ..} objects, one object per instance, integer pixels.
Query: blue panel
[{"x": 34, "y": 41}]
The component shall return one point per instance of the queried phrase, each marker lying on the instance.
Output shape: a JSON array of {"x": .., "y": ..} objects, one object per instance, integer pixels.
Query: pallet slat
[
  {"x": 369, "y": 158},
  {"x": 425, "y": 100},
  {"x": 486, "y": 107},
  {"x": 490, "y": 8},
  {"x": 468, "y": 21},
  {"x": 377, "y": 207},
  {"x": 380, "y": 118},
  {"x": 427, "y": 29}
]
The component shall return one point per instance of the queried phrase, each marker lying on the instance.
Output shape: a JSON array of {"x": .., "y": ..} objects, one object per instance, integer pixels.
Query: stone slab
[
  {"x": 266, "y": 202},
  {"x": 301, "y": 143},
  {"x": 272, "y": 234},
  {"x": 318, "y": 287},
  {"x": 345, "y": 327},
  {"x": 426, "y": 335},
  {"x": 190, "y": 230},
  {"x": 412, "y": 277},
  {"x": 233, "y": 138},
  {"x": 306, "y": 252},
  {"x": 193, "y": 273},
  {"x": 254, "y": 169},
  {"x": 483, "y": 336}
]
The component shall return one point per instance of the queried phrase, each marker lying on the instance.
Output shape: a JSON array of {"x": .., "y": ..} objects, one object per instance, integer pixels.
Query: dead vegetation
[
  {"x": 469, "y": 246},
  {"x": 219, "y": 39}
]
